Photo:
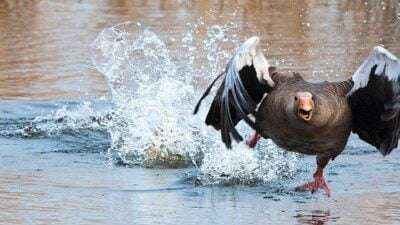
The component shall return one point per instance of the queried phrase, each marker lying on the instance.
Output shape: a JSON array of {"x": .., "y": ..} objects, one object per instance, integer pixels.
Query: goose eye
[{"x": 295, "y": 98}]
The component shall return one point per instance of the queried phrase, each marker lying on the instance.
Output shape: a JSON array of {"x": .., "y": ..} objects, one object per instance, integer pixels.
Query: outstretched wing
[
  {"x": 375, "y": 100},
  {"x": 247, "y": 79}
]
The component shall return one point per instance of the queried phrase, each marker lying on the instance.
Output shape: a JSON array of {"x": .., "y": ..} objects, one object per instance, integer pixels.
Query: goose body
[{"x": 325, "y": 134}]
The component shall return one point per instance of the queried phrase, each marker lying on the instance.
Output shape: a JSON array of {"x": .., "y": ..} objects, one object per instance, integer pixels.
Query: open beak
[{"x": 305, "y": 108}]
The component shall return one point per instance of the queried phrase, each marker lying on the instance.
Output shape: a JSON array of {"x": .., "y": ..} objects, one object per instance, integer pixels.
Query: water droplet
[
  {"x": 216, "y": 31},
  {"x": 187, "y": 40}
]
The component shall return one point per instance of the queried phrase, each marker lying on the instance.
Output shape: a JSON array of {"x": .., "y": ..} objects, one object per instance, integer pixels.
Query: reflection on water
[
  {"x": 45, "y": 55},
  {"x": 314, "y": 217},
  {"x": 45, "y": 44}
]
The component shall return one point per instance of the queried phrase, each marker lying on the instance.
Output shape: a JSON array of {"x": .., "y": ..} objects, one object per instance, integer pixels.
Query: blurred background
[{"x": 45, "y": 45}]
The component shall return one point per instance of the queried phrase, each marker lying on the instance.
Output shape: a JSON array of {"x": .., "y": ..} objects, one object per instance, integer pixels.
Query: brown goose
[{"x": 304, "y": 117}]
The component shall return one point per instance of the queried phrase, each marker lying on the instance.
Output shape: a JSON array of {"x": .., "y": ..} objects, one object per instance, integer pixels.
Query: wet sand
[{"x": 68, "y": 178}]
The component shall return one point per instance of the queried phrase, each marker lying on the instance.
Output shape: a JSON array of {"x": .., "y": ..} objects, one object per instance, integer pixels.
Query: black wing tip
[
  {"x": 389, "y": 145},
  {"x": 196, "y": 108},
  {"x": 385, "y": 150},
  {"x": 228, "y": 143},
  {"x": 205, "y": 94},
  {"x": 384, "y": 153}
]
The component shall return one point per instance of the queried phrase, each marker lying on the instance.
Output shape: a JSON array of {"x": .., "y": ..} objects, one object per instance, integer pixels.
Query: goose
[{"x": 307, "y": 117}]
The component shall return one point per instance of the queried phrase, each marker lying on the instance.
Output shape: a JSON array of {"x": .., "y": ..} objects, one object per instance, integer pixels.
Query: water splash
[
  {"x": 245, "y": 166},
  {"x": 205, "y": 56},
  {"x": 154, "y": 96},
  {"x": 72, "y": 127},
  {"x": 148, "y": 119},
  {"x": 152, "y": 111},
  {"x": 79, "y": 117}
]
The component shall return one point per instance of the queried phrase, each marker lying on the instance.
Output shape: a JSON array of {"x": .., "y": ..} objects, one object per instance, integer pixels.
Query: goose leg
[
  {"x": 252, "y": 141},
  {"x": 319, "y": 182}
]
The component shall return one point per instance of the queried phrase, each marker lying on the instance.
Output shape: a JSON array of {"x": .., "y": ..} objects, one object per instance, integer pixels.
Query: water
[{"x": 96, "y": 120}]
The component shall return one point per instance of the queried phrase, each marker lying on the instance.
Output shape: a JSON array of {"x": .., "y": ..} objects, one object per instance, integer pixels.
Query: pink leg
[
  {"x": 319, "y": 182},
  {"x": 252, "y": 141}
]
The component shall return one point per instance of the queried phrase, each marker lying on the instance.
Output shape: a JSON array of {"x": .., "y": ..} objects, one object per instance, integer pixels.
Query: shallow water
[{"x": 90, "y": 131}]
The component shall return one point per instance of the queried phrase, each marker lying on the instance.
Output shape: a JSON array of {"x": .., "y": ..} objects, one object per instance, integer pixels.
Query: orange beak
[{"x": 305, "y": 107}]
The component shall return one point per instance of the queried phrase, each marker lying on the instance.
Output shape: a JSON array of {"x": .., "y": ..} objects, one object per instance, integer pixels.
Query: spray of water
[
  {"x": 149, "y": 117},
  {"x": 154, "y": 97},
  {"x": 68, "y": 118}
]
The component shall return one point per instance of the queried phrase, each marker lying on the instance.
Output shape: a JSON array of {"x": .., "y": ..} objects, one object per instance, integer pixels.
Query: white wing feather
[
  {"x": 386, "y": 64},
  {"x": 375, "y": 100},
  {"x": 235, "y": 94},
  {"x": 250, "y": 54}
]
